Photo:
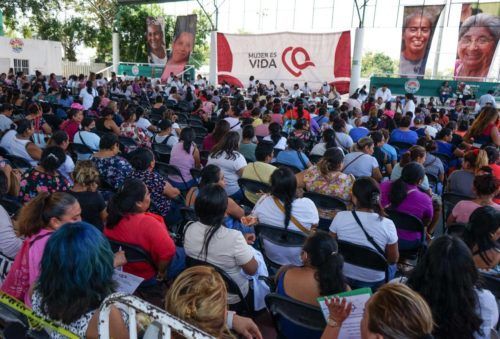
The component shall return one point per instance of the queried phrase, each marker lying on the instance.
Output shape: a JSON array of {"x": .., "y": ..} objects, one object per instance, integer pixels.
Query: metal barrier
[
  {"x": 76, "y": 68},
  {"x": 164, "y": 322}
]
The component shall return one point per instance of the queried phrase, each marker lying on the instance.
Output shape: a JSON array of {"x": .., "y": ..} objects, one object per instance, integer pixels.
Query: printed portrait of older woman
[
  {"x": 417, "y": 34},
  {"x": 477, "y": 41},
  {"x": 181, "y": 50},
  {"x": 156, "y": 42}
]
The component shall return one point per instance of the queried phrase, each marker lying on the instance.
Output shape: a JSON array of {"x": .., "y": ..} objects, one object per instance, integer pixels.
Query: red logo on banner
[{"x": 298, "y": 67}]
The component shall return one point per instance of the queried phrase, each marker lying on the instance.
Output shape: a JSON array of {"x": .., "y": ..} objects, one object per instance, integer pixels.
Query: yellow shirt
[{"x": 259, "y": 171}]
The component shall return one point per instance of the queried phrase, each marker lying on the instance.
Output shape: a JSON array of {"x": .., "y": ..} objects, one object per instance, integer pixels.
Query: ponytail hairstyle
[
  {"x": 275, "y": 132},
  {"x": 52, "y": 158},
  {"x": 36, "y": 214},
  {"x": 322, "y": 252},
  {"x": 331, "y": 161},
  {"x": 283, "y": 187},
  {"x": 125, "y": 201},
  {"x": 483, "y": 222},
  {"x": 367, "y": 193},
  {"x": 225, "y": 107},
  {"x": 89, "y": 87},
  {"x": 141, "y": 158},
  {"x": 413, "y": 153},
  {"x": 476, "y": 159},
  {"x": 413, "y": 173},
  {"x": 329, "y": 138},
  {"x": 187, "y": 137}
]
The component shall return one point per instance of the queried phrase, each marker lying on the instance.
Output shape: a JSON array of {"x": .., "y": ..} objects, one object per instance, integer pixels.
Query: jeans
[
  {"x": 182, "y": 187},
  {"x": 178, "y": 263},
  {"x": 443, "y": 98}
]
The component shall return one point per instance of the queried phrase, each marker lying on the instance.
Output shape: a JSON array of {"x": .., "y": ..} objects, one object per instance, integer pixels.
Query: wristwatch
[{"x": 333, "y": 323}]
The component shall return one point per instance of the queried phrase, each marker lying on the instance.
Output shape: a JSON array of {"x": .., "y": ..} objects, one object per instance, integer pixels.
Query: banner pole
[
  {"x": 213, "y": 58},
  {"x": 356, "y": 60}
]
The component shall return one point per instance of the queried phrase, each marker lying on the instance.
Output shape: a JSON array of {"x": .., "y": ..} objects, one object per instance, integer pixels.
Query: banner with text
[
  {"x": 419, "y": 24},
  {"x": 287, "y": 58},
  {"x": 477, "y": 42}
]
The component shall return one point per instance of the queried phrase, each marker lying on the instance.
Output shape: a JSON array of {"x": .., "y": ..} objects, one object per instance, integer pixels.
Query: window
[{"x": 21, "y": 65}]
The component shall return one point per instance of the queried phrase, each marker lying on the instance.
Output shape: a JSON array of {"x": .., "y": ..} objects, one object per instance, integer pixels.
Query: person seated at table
[
  {"x": 370, "y": 213},
  {"x": 319, "y": 275},
  {"x": 76, "y": 277},
  {"x": 482, "y": 234},
  {"x": 112, "y": 168},
  {"x": 361, "y": 162},
  {"x": 204, "y": 287},
  {"x": 208, "y": 240},
  {"x": 485, "y": 188},
  {"x": 394, "y": 311},
  {"x": 461, "y": 181},
  {"x": 294, "y": 154},
  {"x": 130, "y": 222},
  {"x": 447, "y": 267},
  {"x": 282, "y": 208},
  {"x": 403, "y": 195},
  {"x": 403, "y": 132}
]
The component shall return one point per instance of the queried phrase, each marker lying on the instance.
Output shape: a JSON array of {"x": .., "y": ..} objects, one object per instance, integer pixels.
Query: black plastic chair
[
  {"x": 449, "y": 202},
  {"x": 11, "y": 205},
  {"x": 80, "y": 149},
  {"x": 299, "y": 313},
  {"x": 182, "y": 119},
  {"x": 231, "y": 286},
  {"x": 293, "y": 168},
  {"x": 433, "y": 182},
  {"x": 168, "y": 171},
  {"x": 491, "y": 283},
  {"x": 18, "y": 162},
  {"x": 200, "y": 131},
  {"x": 133, "y": 253},
  {"x": 276, "y": 151},
  {"x": 162, "y": 152},
  {"x": 401, "y": 147},
  {"x": 408, "y": 222},
  {"x": 127, "y": 143},
  {"x": 196, "y": 174},
  {"x": 315, "y": 158},
  {"x": 456, "y": 229},
  {"x": 327, "y": 203},
  {"x": 195, "y": 122},
  {"x": 254, "y": 187},
  {"x": 204, "y": 154},
  {"x": 3, "y": 151},
  {"x": 277, "y": 236},
  {"x": 445, "y": 159},
  {"x": 363, "y": 256}
]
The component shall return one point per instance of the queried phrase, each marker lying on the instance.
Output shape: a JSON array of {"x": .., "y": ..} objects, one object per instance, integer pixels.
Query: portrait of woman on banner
[
  {"x": 418, "y": 29},
  {"x": 477, "y": 42},
  {"x": 182, "y": 46},
  {"x": 157, "y": 52}
]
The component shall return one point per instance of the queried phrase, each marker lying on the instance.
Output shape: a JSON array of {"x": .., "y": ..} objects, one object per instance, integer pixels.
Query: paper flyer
[
  {"x": 351, "y": 326},
  {"x": 126, "y": 282}
]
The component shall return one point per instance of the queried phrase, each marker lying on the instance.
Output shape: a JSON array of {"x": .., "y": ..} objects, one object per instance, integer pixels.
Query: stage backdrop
[{"x": 285, "y": 57}]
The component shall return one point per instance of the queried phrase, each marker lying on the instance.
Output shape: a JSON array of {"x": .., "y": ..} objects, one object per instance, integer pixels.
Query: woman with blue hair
[{"x": 76, "y": 277}]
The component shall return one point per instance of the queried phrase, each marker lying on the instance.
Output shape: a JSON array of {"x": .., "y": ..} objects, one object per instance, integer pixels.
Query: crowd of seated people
[{"x": 64, "y": 209}]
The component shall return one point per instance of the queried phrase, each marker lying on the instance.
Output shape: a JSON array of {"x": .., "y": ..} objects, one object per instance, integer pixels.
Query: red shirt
[
  {"x": 148, "y": 231},
  {"x": 70, "y": 127},
  {"x": 292, "y": 114}
]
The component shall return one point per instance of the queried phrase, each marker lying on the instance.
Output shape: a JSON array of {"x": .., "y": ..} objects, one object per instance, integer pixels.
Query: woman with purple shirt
[{"x": 403, "y": 195}]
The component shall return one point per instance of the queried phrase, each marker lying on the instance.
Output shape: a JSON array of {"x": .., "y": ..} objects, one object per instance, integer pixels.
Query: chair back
[
  {"x": 162, "y": 152},
  {"x": 401, "y": 147},
  {"x": 456, "y": 229},
  {"x": 299, "y": 313},
  {"x": 168, "y": 170},
  {"x": 18, "y": 162},
  {"x": 80, "y": 148},
  {"x": 3, "y": 151},
  {"x": 491, "y": 283},
  {"x": 449, "y": 202},
  {"x": 12, "y": 206},
  {"x": 127, "y": 143},
  {"x": 196, "y": 174},
  {"x": 433, "y": 182},
  {"x": 277, "y": 236},
  {"x": 276, "y": 151},
  {"x": 363, "y": 256},
  {"x": 405, "y": 221},
  {"x": 231, "y": 286},
  {"x": 199, "y": 130},
  {"x": 195, "y": 122},
  {"x": 133, "y": 253},
  {"x": 253, "y": 186},
  {"x": 445, "y": 159},
  {"x": 293, "y": 168},
  {"x": 314, "y": 158},
  {"x": 326, "y": 202}
]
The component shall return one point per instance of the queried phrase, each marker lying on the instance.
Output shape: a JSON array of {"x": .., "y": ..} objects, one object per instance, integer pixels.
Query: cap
[{"x": 77, "y": 106}]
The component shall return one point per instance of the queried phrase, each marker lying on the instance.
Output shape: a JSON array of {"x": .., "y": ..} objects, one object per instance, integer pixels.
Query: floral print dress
[
  {"x": 160, "y": 204},
  {"x": 337, "y": 184},
  {"x": 34, "y": 181},
  {"x": 130, "y": 130},
  {"x": 114, "y": 170}
]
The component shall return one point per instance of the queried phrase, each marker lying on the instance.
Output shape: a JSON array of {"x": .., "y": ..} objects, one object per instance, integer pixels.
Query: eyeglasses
[{"x": 480, "y": 41}]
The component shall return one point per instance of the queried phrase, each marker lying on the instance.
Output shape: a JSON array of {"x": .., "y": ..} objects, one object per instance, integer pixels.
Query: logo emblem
[
  {"x": 296, "y": 71},
  {"x": 17, "y": 45},
  {"x": 135, "y": 70},
  {"x": 412, "y": 86}
]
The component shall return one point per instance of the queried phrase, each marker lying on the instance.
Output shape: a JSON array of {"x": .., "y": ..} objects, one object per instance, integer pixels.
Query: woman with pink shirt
[
  {"x": 486, "y": 188},
  {"x": 185, "y": 155},
  {"x": 37, "y": 220}
]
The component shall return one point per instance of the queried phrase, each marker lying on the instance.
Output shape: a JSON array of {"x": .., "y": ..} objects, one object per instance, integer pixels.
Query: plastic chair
[
  {"x": 3, "y": 152},
  {"x": 196, "y": 174},
  {"x": 408, "y": 222},
  {"x": 253, "y": 186},
  {"x": 301, "y": 314},
  {"x": 133, "y": 253},
  {"x": 401, "y": 147},
  {"x": 293, "y": 168},
  {"x": 456, "y": 229},
  {"x": 314, "y": 158},
  {"x": 449, "y": 202},
  {"x": 445, "y": 159},
  {"x": 11, "y": 205},
  {"x": 168, "y": 170},
  {"x": 276, "y": 151},
  {"x": 18, "y": 162},
  {"x": 277, "y": 236},
  {"x": 363, "y": 256},
  {"x": 127, "y": 143},
  {"x": 433, "y": 182},
  {"x": 162, "y": 152},
  {"x": 80, "y": 149},
  {"x": 195, "y": 122},
  {"x": 328, "y": 203},
  {"x": 200, "y": 131}
]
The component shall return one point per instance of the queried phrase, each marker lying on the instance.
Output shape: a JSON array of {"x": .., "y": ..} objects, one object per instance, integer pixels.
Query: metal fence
[{"x": 75, "y": 67}]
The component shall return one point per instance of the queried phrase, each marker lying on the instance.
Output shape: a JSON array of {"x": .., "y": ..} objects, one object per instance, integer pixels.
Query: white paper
[
  {"x": 351, "y": 326},
  {"x": 126, "y": 282}
]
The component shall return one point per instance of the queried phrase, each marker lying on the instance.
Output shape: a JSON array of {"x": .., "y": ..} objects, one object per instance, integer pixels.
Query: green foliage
[
  {"x": 377, "y": 63},
  {"x": 13, "y": 10}
]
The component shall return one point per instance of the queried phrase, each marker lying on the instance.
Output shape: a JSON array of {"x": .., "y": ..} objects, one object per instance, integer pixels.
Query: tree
[
  {"x": 377, "y": 63},
  {"x": 15, "y": 9},
  {"x": 201, "y": 50},
  {"x": 70, "y": 33}
]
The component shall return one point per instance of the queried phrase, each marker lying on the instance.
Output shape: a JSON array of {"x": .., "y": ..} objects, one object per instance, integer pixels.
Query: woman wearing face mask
[{"x": 37, "y": 220}]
